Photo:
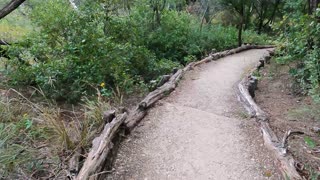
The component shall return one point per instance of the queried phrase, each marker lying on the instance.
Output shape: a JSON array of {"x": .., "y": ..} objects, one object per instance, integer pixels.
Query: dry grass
[{"x": 36, "y": 139}]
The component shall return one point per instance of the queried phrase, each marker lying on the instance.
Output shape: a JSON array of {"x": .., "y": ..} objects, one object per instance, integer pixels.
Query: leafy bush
[
  {"x": 299, "y": 44},
  {"x": 72, "y": 52},
  {"x": 36, "y": 138},
  {"x": 252, "y": 37}
]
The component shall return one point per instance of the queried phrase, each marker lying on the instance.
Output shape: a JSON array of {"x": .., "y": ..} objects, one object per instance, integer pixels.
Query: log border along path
[{"x": 97, "y": 157}]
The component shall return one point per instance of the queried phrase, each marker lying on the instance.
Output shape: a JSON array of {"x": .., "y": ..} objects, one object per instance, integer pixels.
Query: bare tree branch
[
  {"x": 11, "y": 6},
  {"x": 73, "y": 4}
]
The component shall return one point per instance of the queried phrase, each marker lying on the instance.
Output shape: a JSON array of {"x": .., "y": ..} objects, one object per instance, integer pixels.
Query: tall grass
[
  {"x": 37, "y": 138},
  {"x": 16, "y": 25}
]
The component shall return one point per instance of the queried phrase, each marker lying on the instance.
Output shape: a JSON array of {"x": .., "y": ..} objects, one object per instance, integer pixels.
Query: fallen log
[
  {"x": 222, "y": 54},
  {"x": 164, "y": 79},
  {"x": 253, "y": 109},
  {"x": 271, "y": 141},
  {"x": 140, "y": 111},
  {"x": 101, "y": 146},
  {"x": 287, "y": 163}
]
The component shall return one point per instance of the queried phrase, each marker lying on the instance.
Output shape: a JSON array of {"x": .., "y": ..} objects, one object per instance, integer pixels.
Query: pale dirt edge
[{"x": 279, "y": 148}]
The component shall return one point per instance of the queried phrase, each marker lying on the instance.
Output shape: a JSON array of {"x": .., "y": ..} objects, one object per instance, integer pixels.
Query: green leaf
[
  {"x": 28, "y": 123},
  {"x": 311, "y": 143}
]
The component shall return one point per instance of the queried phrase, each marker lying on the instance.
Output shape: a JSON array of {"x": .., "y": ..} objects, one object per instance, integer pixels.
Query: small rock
[{"x": 316, "y": 129}]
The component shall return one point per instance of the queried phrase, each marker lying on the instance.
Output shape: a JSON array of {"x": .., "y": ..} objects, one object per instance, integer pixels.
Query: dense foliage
[
  {"x": 116, "y": 47},
  {"x": 72, "y": 52},
  {"x": 300, "y": 45},
  {"x": 69, "y": 54}
]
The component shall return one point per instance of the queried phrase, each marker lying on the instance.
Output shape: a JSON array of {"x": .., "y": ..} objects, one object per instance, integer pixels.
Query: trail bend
[{"x": 198, "y": 132}]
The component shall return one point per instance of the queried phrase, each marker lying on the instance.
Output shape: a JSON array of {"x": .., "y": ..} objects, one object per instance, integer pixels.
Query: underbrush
[
  {"x": 300, "y": 44},
  {"x": 91, "y": 59},
  {"x": 289, "y": 109},
  {"x": 16, "y": 26},
  {"x": 38, "y": 139},
  {"x": 70, "y": 53}
]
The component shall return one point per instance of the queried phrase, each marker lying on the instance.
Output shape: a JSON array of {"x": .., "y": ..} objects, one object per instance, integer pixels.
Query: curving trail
[{"x": 198, "y": 132}]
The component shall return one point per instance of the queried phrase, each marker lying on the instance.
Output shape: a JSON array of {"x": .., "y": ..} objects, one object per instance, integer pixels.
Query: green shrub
[
  {"x": 252, "y": 37},
  {"x": 71, "y": 52},
  {"x": 299, "y": 45}
]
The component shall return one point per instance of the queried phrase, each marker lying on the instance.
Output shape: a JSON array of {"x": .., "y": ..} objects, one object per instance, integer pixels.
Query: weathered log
[
  {"x": 205, "y": 60},
  {"x": 140, "y": 111},
  {"x": 279, "y": 149},
  {"x": 134, "y": 118},
  {"x": 163, "y": 90},
  {"x": 253, "y": 109},
  {"x": 189, "y": 67},
  {"x": 222, "y": 54},
  {"x": 164, "y": 79},
  {"x": 101, "y": 146},
  {"x": 287, "y": 163}
]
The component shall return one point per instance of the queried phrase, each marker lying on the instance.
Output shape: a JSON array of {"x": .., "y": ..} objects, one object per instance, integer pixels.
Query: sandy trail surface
[{"x": 199, "y": 130}]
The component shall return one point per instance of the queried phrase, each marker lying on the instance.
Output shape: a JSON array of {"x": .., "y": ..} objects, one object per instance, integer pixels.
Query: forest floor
[
  {"x": 281, "y": 98},
  {"x": 200, "y": 131}
]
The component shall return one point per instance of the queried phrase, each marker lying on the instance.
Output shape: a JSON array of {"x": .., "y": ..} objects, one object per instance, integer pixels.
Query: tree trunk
[
  {"x": 260, "y": 25},
  {"x": 240, "y": 33},
  {"x": 277, "y": 3},
  {"x": 242, "y": 14},
  {"x": 11, "y": 6},
  {"x": 309, "y": 7}
]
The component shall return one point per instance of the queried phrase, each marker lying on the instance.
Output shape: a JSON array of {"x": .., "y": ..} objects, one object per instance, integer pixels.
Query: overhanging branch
[{"x": 11, "y": 6}]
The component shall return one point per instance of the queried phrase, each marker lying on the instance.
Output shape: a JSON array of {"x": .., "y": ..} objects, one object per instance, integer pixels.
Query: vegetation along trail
[{"x": 195, "y": 133}]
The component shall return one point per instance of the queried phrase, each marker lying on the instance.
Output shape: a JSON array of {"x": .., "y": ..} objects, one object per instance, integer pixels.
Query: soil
[
  {"x": 200, "y": 131},
  {"x": 277, "y": 95}
]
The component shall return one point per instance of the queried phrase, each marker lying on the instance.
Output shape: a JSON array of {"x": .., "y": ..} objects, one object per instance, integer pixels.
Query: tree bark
[
  {"x": 11, "y": 6},
  {"x": 101, "y": 146},
  {"x": 241, "y": 25},
  {"x": 240, "y": 33}
]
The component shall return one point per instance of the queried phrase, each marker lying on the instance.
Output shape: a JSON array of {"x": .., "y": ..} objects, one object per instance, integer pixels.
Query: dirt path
[{"x": 198, "y": 132}]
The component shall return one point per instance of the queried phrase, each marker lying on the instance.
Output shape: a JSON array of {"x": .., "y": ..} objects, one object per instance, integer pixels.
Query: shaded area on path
[{"x": 197, "y": 132}]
